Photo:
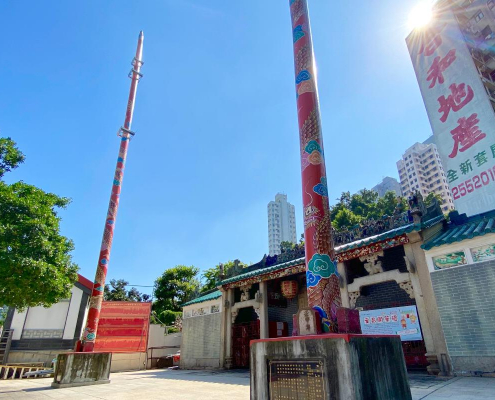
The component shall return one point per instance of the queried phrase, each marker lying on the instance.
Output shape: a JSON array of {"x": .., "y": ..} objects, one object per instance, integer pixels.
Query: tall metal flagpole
[
  {"x": 89, "y": 336},
  {"x": 321, "y": 267}
]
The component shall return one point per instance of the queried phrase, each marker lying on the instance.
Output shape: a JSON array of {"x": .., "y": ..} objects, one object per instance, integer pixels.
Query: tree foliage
[
  {"x": 365, "y": 204},
  {"x": 429, "y": 199},
  {"x": 168, "y": 317},
  {"x": 10, "y": 156},
  {"x": 175, "y": 287},
  {"x": 117, "y": 291},
  {"x": 285, "y": 245},
  {"x": 35, "y": 262},
  {"x": 212, "y": 275}
]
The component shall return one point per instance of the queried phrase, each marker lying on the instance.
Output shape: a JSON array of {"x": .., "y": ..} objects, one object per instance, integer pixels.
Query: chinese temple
[{"x": 382, "y": 272}]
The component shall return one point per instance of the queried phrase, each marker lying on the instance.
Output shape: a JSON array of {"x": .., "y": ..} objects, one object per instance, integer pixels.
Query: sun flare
[{"x": 420, "y": 15}]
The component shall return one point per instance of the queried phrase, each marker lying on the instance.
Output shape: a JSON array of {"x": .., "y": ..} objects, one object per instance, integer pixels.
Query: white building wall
[
  {"x": 281, "y": 223},
  {"x": 72, "y": 314},
  {"x": 17, "y": 324},
  {"x": 60, "y": 319},
  {"x": 420, "y": 169}
]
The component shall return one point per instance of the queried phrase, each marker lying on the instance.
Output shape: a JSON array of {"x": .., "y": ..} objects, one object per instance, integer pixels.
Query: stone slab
[
  {"x": 81, "y": 369},
  {"x": 353, "y": 367}
]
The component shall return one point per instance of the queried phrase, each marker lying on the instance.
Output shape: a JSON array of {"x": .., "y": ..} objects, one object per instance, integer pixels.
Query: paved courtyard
[{"x": 222, "y": 385}]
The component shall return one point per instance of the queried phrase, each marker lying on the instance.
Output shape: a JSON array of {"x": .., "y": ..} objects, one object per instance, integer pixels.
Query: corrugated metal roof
[
  {"x": 210, "y": 296},
  {"x": 477, "y": 225}
]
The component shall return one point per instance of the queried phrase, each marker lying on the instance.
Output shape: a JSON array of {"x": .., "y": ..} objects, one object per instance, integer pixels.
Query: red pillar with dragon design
[
  {"x": 125, "y": 133},
  {"x": 321, "y": 267}
]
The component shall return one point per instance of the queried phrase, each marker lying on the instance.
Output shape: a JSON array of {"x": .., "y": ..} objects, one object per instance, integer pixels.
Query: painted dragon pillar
[{"x": 321, "y": 267}]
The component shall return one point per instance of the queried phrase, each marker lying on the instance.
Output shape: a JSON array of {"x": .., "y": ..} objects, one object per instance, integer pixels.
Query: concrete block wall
[
  {"x": 466, "y": 303},
  {"x": 200, "y": 346}
]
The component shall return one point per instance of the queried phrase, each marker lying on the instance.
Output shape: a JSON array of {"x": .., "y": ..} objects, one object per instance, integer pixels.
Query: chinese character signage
[
  {"x": 450, "y": 260},
  {"x": 460, "y": 113},
  {"x": 402, "y": 321},
  {"x": 297, "y": 380}
]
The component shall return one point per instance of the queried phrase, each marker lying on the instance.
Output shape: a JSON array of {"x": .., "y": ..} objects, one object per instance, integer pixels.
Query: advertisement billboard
[
  {"x": 402, "y": 321},
  {"x": 459, "y": 110}
]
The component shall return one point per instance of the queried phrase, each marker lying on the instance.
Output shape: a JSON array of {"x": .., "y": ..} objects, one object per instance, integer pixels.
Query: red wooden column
[
  {"x": 321, "y": 267},
  {"x": 89, "y": 336}
]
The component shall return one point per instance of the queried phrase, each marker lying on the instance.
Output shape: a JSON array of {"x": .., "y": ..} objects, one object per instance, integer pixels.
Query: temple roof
[
  {"x": 389, "y": 234},
  {"x": 209, "y": 296},
  {"x": 462, "y": 227},
  {"x": 262, "y": 271},
  {"x": 250, "y": 273}
]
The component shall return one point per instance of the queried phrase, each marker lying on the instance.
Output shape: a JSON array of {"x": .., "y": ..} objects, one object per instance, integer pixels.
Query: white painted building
[
  {"x": 281, "y": 223},
  {"x": 40, "y": 333},
  {"x": 420, "y": 169}
]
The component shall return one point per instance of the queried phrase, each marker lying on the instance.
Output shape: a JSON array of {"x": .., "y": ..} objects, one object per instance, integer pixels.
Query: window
[
  {"x": 478, "y": 17},
  {"x": 490, "y": 4}
]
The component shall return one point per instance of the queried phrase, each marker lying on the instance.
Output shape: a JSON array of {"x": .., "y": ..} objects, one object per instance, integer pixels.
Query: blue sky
[{"x": 215, "y": 117}]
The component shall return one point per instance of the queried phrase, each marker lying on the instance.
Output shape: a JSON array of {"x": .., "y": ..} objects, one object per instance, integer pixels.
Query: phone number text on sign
[{"x": 476, "y": 182}]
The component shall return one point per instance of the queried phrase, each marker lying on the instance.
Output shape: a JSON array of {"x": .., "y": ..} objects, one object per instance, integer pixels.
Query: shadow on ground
[{"x": 231, "y": 377}]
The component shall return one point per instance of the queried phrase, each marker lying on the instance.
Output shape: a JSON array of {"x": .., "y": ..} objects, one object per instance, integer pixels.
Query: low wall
[
  {"x": 120, "y": 361},
  {"x": 81, "y": 369},
  {"x": 200, "y": 346},
  {"x": 128, "y": 362},
  {"x": 44, "y": 356},
  {"x": 466, "y": 304}
]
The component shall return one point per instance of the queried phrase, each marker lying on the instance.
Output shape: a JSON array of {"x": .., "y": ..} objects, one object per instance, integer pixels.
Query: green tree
[
  {"x": 168, "y": 317},
  {"x": 212, "y": 275},
  {"x": 389, "y": 202},
  {"x": 35, "y": 262},
  {"x": 365, "y": 204},
  {"x": 175, "y": 287},
  {"x": 345, "y": 219},
  {"x": 285, "y": 245},
  {"x": 429, "y": 199},
  {"x": 3, "y": 315},
  {"x": 10, "y": 156},
  {"x": 117, "y": 291}
]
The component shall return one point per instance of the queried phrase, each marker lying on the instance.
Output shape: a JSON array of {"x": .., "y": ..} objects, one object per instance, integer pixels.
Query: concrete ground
[{"x": 221, "y": 385}]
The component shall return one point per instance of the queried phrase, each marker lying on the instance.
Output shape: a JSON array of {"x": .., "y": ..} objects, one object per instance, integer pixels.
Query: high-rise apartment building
[
  {"x": 421, "y": 170},
  {"x": 454, "y": 61},
  {"x": 388, "y": 184},
  {"x": 281, "y": 223}
]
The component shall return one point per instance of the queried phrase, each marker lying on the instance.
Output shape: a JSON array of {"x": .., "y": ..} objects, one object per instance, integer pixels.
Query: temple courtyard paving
[{"x": 217, "y": 385}]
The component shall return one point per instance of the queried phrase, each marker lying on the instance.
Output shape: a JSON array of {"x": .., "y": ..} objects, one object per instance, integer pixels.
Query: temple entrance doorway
[
  {"x": 389, "y": 295},
  {"x": 245, "y": 328}
]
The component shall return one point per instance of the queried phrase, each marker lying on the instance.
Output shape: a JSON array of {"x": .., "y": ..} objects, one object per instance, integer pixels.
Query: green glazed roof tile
[
  {"x": 477, "y": 225},
  {"x": 210, "y": 296},
  {"x": 262, "y": 271}
]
